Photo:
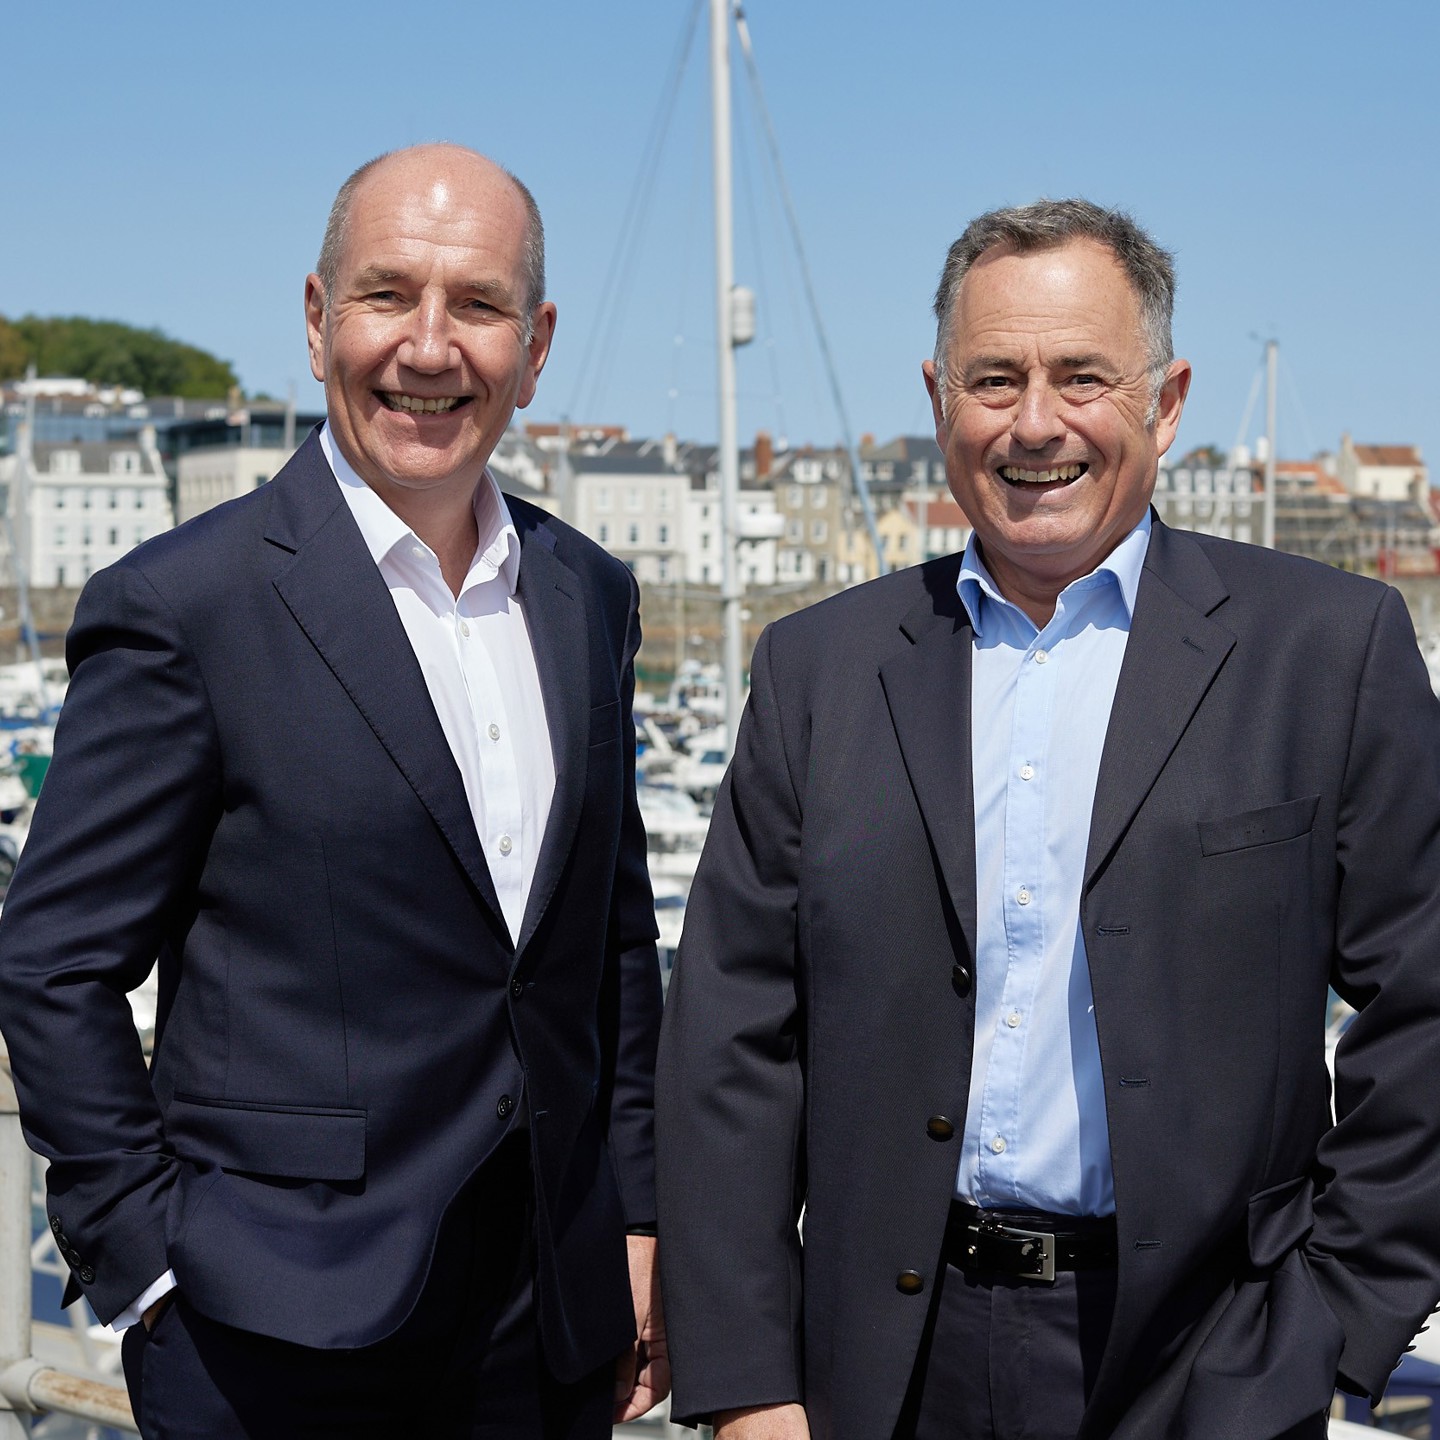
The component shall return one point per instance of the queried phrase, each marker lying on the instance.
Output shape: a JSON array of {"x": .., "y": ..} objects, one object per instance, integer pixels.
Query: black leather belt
[{"x": 1026, "y": 1244}]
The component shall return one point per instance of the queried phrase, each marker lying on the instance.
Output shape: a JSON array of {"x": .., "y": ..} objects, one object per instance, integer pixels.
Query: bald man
[{"x": 353, "y": 756}]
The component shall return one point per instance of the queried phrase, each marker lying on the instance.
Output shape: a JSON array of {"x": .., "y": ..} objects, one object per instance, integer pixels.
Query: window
[
  {"x": 60, "y": 538},
  {"x": 125, "y": 462},
  {"x": 817, "y": 497},
  {"x": 602, "y": 497},
  {"x": 794, "y": 497},
  {"x": 85, "y": 499},
  {"x": 818, "y": 530},
  {"x": 664, "y": 570},
  {"x": 114, "y": 534},
  {"x": 602, "y": 533},
  {"x": 139, "y": 534},
  {"x": 65, "y": 462},
  {"x": 114, "y": 499},
  {"x": 662, "y": 537},
  {"x": 634, "y": 498},
  {"x": 60, "y": 497},
  {"x": 662, "y": 501},
  {"x": 795, "y": 530},
  {"x": 139, "y": 499},
  {"x": 704, "y": 539},
  {"x": 59, "y": 574},
  {"x": 632, "y": 534},
  {"x": 87, "y": 538}
]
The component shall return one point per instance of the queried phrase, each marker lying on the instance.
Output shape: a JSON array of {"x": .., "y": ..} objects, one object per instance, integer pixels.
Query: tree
[
  {"x": 13, "y": 354},
  {"x": 108, "y": 352}
]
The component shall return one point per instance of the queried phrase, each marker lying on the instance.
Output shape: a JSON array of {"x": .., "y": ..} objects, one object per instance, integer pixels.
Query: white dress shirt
[{"x": 475, "y": 653}]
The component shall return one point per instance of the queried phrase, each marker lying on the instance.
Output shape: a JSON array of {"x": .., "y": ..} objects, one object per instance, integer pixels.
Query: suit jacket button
[
  {"x": 86, "y": 1274},
  {"x": 504, "y": 1108},
  {"x": 516, "y": 989},
  {"x": 939, "y": 1127},
  {"x": 909, "y": 1282},
  {"x": 960, "y": 978},
  {"x": 56, "y": 1226}
]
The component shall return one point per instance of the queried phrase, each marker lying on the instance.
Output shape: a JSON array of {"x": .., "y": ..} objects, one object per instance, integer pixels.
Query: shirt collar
[
  {"x": 498, "y": 552},
  {"x": 1123, "y": 565}
]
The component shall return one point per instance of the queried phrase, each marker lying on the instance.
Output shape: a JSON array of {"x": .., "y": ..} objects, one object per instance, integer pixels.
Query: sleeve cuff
[{"x": 156, "y": 1290}]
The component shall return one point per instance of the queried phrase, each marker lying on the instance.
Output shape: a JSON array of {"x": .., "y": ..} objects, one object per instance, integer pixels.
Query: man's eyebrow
[
  {"x": 374, "y": 277},
  {"x": 1092, "y": 360},
  {"x": 979, "y": 364}
]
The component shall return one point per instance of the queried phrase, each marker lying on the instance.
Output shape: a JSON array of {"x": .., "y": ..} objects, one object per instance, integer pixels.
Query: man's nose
[
  {"x": 1038, "y": 421},
  {"x": 427, "y": 346}
]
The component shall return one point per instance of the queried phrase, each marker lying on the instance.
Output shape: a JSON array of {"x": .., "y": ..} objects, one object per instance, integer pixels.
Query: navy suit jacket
[
  {"x": 1266, "y": 823},
  {"x": 250, "y": 782}
]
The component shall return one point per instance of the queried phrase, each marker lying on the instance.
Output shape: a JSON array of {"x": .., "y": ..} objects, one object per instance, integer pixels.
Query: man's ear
[
  {"x": 1173, "y": 391},
  {"x": 937, "y": 402},
  {"x": 315, "y": 325},
  {"x": 542, "y": 334}
]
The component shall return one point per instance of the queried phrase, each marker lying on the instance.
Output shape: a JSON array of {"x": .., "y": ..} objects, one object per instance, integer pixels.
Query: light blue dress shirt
[{"x": 1035, "y": 1133}]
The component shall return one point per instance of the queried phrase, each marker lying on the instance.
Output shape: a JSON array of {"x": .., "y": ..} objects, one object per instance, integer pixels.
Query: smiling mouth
[
  {"x": 421, "y": 404},
  {"x": 1055, "y": 475}
]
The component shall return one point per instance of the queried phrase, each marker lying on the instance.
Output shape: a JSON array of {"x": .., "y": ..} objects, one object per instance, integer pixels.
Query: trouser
[
  {"x": 1008, "y": 1359},
  {"x": 467, "y": 1362}
]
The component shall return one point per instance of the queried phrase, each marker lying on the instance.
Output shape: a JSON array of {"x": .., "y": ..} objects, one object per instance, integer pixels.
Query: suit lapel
[
  {"x": 554, "y": 605},
  {"x": 340, "y": 600},
  {"x": 927, "y": 688},
  {"x": 1173, "y": 654}
]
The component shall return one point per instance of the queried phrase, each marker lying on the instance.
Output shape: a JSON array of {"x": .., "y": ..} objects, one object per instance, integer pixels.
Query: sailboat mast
[{"x": 731, "y": 586}]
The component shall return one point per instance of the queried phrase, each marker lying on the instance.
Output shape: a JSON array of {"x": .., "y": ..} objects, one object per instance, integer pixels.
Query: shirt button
[
  {"x": 506, "y": 844},
  {"x": 998, "y": 1144},
  {"x": 418, "y": 551},
  {"x": 493, "y": 731},
  {"x": 1022, "y": 896},
  {"x": 1027, "y": 772},
  {"x": 1041, "y": 656},
  {"x": 465, "y": 629},
  {"x": 1013, "y": 1019}
]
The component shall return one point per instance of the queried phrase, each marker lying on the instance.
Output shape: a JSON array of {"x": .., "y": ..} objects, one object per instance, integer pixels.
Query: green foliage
[{"x": 109, "y": 353}]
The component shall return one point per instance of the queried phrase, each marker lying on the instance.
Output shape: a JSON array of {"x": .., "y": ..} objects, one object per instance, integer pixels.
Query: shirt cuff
[{"x": 157, "y": 1290}]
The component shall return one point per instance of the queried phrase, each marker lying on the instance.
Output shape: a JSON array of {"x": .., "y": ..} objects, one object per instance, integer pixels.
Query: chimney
[
  {"x": 667, "y": 448},
  {"x": 867, "y": 442},
  {"x": 764, "y": 455}
]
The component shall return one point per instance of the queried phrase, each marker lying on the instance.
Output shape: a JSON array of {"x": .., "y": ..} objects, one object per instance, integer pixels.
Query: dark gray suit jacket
[
  {"x": 250, "y": 782},
  {"x": 1266, "y": 823}
]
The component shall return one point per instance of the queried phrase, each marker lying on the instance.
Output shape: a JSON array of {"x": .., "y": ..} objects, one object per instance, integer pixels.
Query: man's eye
[
  {"x": 1084, "y": 380},
  {"x": 994, "y": 382}
]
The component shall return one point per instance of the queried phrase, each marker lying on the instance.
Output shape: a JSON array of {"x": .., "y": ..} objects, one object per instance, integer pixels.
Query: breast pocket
[{"x": 1270, "y": 825}]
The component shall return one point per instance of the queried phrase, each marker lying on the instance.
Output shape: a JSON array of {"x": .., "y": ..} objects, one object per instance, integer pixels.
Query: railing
[{"x": 27, "y": 1385}]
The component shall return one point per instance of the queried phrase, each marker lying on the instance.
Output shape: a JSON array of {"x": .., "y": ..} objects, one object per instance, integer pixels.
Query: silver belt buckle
[{"x": 1046, "y": 1273}]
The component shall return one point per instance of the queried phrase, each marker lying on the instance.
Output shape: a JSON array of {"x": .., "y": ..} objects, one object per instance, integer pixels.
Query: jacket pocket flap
[
  {"x": 1278, "y": 1219},
  {"x": 292, "y": 1141},
  {"x": 1266, "y": 826}
]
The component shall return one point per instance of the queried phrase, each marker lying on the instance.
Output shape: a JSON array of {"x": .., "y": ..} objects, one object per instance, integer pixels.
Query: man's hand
[
  {"x": 642, "y": 1373},
  {"x": 763, "y": 1422},
  {"x": 153, "y": 1314}
]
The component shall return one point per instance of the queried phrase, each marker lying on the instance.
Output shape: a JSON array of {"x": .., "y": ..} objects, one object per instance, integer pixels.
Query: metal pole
[
  {"x": 1272, "y": 357},
  {"x": 731, "y": 588},
  {"x": 14, "y": 1247}
]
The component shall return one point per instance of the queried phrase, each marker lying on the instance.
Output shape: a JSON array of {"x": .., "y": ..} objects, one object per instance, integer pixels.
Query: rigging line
[
  {"x": 761, "y": 282},
  {"x": 1294, "y": 386},
  {"x": 687, "y": 255},
  {"x": 857, "y": 479},
  {"x": 640, "y": 189},
  {"x": 1244, "y": 429}
]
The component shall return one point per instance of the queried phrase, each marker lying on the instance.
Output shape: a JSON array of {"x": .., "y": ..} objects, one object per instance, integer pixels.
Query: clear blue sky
[{"x": 171, "y": 165}]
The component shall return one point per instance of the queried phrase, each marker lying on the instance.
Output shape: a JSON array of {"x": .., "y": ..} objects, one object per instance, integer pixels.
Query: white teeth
[
  {"x": 1016, "y": 476},
  {"x": 419, "y": 404}
]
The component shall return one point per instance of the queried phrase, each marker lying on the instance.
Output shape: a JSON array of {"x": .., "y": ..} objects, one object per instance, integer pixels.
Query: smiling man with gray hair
[{"x": 1008, "y": 958}]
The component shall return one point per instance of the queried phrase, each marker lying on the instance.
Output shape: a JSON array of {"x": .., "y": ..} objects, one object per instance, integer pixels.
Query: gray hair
[
  {"x": 1046, "y": 224},
  {"x": 337, "y": 229}
]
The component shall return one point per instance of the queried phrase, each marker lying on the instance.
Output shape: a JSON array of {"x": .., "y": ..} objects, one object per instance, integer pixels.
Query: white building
[
  {"x": 75, "y": 508},
  {"x": 631, "y": 498},
  {"x": 209, "y": 476}
]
